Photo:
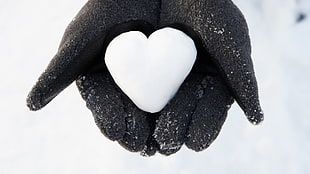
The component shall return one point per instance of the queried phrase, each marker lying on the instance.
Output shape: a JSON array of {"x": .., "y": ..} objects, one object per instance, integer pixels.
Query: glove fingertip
[
  {"x": 197, "y": 146},
  {"x": 150, "y": 148},
  {"x": 32, "y": 103},
  {"x": 34, "y": 100},
  {"x": 255, "y": 116}
]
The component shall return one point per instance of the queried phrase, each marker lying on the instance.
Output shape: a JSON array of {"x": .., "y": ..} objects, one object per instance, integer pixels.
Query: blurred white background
[{"x": 63, "y": 138}]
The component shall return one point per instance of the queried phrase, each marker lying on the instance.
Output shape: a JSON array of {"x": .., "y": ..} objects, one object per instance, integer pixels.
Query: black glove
[
  {"x": 115, "y": 114},
  {"x": 223, "y": 71},
  {"x": 80, "y": 55}
]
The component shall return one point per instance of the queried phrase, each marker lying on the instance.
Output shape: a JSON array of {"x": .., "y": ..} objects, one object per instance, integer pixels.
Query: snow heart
[{"x": 150, "y": 70}]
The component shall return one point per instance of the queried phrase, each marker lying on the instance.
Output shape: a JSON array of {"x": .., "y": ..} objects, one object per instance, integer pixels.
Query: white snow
[
  {"x": 62, "y": 138},
  {"x": 150, "y": 70}
]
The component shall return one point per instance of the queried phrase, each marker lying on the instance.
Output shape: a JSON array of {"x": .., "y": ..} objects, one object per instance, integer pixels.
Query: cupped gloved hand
[
  {"x": 81, "y": 51},
  {"x": 223, "y": 71}
]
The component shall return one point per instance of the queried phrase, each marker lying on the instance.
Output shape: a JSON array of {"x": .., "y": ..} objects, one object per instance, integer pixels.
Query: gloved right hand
[{"x": 81, "y": 51}]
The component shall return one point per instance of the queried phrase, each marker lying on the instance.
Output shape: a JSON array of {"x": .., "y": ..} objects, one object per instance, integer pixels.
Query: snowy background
[{"x": 48, "y": 141}]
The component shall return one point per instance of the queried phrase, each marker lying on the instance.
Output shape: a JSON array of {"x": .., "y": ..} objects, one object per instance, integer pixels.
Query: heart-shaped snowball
[{"x": 150, "y": 70}]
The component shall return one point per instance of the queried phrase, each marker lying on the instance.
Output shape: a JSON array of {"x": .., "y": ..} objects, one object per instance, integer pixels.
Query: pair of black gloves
[{"x": 223, "y": 72}]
